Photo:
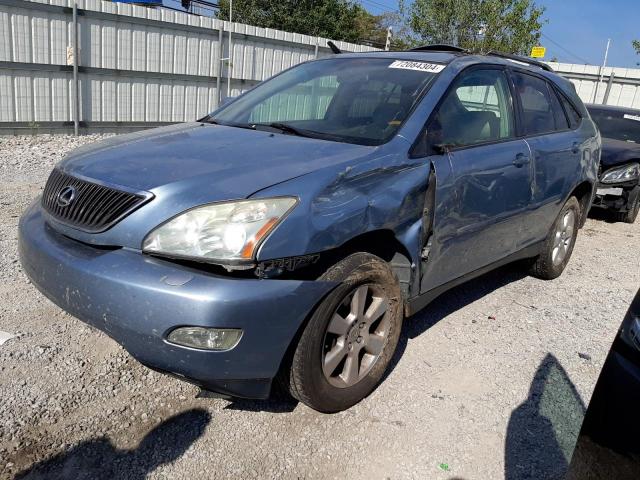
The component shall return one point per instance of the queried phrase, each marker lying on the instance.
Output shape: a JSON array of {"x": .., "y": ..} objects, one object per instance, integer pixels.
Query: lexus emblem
[{"x": 66, "y": 196}]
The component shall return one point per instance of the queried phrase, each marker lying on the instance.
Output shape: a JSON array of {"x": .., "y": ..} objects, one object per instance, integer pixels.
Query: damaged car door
[{"x": 483, "y": 177}]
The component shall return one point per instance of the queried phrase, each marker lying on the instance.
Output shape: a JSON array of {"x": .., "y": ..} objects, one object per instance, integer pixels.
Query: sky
[{"x": 577, "y": 30}]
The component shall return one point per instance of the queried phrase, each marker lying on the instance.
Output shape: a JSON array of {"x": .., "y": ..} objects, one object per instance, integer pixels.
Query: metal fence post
[
  {"x": 230, "y": 61},
  {"x": 219, "y": 76},
  {"x": 76, "y": 99}
]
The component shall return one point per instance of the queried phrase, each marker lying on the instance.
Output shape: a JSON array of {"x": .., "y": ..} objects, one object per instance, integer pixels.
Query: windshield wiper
[
  {"x": 285, "y": 128},
  {"x": 215, "y": 121}
]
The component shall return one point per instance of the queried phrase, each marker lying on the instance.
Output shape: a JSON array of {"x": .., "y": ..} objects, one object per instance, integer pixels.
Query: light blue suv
[{"x": 289, "y": 234}]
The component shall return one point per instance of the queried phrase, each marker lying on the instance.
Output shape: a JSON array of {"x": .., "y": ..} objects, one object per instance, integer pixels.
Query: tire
[
  {"x": 316, "y": 377},
  {"x": 632, "y": 212},
  {"x": 558, "y": 246}
]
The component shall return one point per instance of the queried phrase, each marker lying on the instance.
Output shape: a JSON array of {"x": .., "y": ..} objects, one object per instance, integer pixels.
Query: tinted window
[
  {"x": 358, "y": 100},
  {"x": 477, "y": 109},
  {"x": 572, "y": 113},
  {"x": 559, "y": 117},
  {"x": 617, "y": 125},
  {"x": 539, "y": 112}
]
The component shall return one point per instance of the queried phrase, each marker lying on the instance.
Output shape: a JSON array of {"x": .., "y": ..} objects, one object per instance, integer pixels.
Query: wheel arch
[
  {"x": 584, "y": 194},
  {"x": 382, "y": 243}
]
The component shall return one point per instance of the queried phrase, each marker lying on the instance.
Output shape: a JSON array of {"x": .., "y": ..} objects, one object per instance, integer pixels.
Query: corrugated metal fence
[
  {"x": 138, "y": 66},
  {"x": 619, "y": 86}
]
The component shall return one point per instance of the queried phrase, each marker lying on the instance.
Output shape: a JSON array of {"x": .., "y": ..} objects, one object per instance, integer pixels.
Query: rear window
[{"x": 617, "y": 125}]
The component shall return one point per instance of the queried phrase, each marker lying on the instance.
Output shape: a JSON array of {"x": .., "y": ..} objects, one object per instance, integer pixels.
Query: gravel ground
[{"x": 489, "y": 382}]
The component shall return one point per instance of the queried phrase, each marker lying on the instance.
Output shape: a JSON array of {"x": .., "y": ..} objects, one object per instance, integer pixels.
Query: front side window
[
  {"x": 477, "y": 109},
  {"x": 540, "y": 114},
  {"x": 357, "y": 100}
]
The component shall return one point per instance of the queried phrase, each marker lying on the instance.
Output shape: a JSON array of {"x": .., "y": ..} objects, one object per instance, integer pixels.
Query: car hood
[
  {"x": 226, "y": 162},
  {"x": 617, "y": 152},
  {"x": 187, "y": 165}
]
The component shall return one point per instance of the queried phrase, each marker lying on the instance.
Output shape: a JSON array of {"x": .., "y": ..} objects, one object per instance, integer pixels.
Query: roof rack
[
  {"x": 438, "y": 47},
  {"x": 518, "y": 58}
]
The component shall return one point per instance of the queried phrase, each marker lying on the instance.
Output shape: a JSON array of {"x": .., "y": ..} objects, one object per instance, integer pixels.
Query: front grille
[{"x": 91, "y": 207}]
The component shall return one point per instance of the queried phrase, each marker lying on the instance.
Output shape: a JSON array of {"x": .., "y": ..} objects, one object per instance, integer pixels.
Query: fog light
[{"x": 206, "y": 338}]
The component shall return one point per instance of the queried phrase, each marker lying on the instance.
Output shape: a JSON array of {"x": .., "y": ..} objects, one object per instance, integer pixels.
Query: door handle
[
  {"x": 521, "y": 160},
  {"x": 575, "y": 148}
]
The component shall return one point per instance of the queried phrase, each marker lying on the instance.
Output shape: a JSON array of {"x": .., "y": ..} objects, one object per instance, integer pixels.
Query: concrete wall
[{"x": 620, "y": 86}]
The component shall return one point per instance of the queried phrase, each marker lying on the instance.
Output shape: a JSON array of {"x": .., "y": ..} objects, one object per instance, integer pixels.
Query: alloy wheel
[
  {"x": 563, "y": 237},
  {"x": 355, "y": 336}
]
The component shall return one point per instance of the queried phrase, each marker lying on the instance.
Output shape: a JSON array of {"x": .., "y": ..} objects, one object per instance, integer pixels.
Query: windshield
[
  {"x": 355, "y": 100},
  {"x": 617, "y": 125}
]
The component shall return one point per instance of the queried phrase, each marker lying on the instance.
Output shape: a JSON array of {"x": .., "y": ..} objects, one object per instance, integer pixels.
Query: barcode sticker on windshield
[
  {"x": 420, "y": 66},
  {"x": 632, "y": 117}
]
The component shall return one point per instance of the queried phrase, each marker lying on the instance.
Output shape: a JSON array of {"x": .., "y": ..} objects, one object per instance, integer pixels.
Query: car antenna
[{"x": 334, "y": 48}]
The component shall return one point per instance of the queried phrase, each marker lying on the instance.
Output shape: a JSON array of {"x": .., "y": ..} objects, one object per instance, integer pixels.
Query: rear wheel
[
  {"x": 558, "y": 246},
  {"x": 351, "y": 337}
]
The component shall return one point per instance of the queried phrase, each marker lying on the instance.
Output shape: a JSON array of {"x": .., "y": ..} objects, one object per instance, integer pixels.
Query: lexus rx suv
[{"x": 287, "y": 235}]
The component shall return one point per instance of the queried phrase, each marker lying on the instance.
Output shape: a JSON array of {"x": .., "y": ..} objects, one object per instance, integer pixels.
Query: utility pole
[
  {"x": 387, "y": 45},
  {"x": 601, "y": 74}
]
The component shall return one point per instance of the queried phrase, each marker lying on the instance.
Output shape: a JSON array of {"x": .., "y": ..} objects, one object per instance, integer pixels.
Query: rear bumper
[{"x": 137, "y": 300}]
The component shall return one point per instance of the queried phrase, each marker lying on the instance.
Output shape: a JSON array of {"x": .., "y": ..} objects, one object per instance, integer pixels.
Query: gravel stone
[{"x": 464, "y": 390}]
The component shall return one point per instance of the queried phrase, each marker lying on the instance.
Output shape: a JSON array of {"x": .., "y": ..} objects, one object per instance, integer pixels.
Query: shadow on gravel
[
  {"x": 602, "y": 215},
  {"x": 543, "y": 431},
  {"x": 452, "y": 301},
  {"x": 275, "y": 404},
  {"x": 98, "y": 459}
]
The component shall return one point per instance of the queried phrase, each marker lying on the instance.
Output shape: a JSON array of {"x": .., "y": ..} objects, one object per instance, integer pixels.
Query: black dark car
[
  {"x": 608, "y": 445},
  {"x": 619, "y": 175}
]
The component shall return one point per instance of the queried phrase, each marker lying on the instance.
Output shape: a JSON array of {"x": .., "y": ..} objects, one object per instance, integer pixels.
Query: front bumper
[
  {"x": 137, "y": 300},
  {"x": 618, "y": 197}
]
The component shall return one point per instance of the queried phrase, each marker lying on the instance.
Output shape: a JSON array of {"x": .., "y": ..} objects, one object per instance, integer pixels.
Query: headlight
[
  {"x": 622, "y": 174},
  {"x": 222, "y": 232}
]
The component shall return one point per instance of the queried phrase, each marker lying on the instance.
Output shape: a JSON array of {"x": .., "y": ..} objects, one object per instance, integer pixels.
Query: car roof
[
  {"x": 612, "y": 108},
  {"x": 447, "y": 58}
]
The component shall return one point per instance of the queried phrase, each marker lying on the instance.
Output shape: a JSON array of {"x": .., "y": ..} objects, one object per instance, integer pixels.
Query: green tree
[
  {"x": 336, "y": 19},
  {"x": 510, "y": 26},
  {"x": 636, "y": 45},
  {"x": 373, "y": 30}
]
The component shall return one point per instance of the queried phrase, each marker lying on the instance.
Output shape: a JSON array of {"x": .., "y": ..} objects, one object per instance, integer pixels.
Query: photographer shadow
[{"x": 99, "y": 459}]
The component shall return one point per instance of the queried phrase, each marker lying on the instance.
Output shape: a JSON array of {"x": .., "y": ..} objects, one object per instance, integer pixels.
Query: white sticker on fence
[
  {"x": 632, "y": 117},
  {"x": 420, "y": 66}
]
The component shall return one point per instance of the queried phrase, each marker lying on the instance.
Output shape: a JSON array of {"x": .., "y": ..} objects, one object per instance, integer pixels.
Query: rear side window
[
  {"x": 541, "y": 110},
  {"x": 478, "y": 109},
  {"x": 572, "y": 113},
  {"x": 558, "y": 112}
]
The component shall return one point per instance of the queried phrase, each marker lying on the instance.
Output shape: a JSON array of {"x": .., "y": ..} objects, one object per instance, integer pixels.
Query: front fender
[{"x": 386, "y": 193}]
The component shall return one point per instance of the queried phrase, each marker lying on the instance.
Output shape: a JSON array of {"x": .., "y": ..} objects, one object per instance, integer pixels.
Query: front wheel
[
  {"x": 558, "y": 246},
  {"x": 632, "y": 209},
  {"x": 350, "y": 339}
]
